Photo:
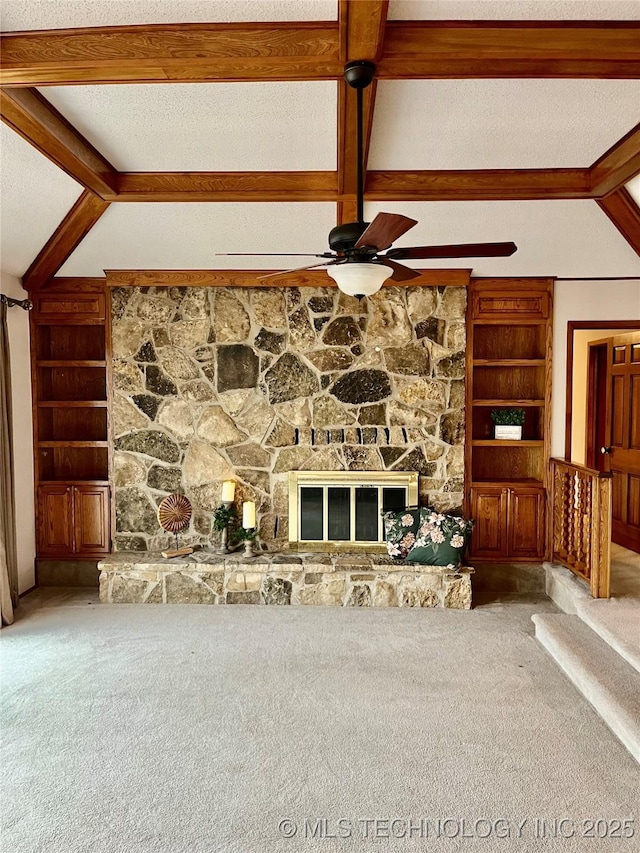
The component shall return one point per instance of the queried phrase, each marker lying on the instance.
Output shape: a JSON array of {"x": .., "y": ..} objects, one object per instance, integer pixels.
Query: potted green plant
[{"x": 508, "y": 423}]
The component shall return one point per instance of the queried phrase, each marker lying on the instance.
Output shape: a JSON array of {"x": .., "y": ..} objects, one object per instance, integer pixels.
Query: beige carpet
[{"x": 193, "y": 729}]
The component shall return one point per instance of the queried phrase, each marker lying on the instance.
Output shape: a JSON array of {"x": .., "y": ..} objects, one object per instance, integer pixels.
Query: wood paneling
[
  {"x": 618, "y": 165},
  {"x": 68, "y": 308},
  {"x": 625, "y": 215},
  {"x": 226, "y": 186},
  {"x": 37, "y": 121},
  {"x": 250, "y": 278},
  {"x": 478, "y": 184},
  {"x": 172, "y": 52},
  {"x": 459, "y": 49},
  {"x": 74, "y": 227}
]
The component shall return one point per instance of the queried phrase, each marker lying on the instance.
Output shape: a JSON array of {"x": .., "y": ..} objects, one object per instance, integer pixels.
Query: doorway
[{"x": 613, "y": 429}]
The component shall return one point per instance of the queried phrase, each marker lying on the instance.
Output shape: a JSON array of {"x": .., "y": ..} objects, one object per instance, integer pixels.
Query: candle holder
[
  {"x": 224, "y": 513},
  {"x": 250, "y": 535}
]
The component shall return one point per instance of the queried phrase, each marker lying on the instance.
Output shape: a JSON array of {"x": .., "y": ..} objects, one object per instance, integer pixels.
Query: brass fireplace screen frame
[{"x": 352, "y": 479}]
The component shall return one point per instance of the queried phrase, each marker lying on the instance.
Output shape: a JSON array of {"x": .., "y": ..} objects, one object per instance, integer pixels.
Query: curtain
[{"x": 8, "y": 553}]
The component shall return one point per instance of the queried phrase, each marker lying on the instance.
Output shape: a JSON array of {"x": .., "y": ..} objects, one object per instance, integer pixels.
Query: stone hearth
[{"x": 205, "y": 577}]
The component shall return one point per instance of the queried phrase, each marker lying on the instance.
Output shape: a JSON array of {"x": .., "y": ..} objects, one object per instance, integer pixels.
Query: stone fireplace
[{"x": 252, "y": 383}]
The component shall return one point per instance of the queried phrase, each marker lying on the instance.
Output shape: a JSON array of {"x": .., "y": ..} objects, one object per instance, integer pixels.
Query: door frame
[{"x": 572, "y": 326}]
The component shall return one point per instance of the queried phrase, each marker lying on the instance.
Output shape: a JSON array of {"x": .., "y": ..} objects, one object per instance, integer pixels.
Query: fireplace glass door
[{"x": 348, "y": 511}]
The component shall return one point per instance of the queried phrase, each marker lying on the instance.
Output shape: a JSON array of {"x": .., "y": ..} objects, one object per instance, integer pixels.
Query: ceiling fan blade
[
  {"x": 400, "y": 272},
  {"x": 384, "y": 229},
  {"x": 273, "y": 254},
  {"x": 461, "y": 250},
  {"x": 297, "y": 269}
]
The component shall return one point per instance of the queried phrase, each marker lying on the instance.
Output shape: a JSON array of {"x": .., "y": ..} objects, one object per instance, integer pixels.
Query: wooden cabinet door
[
  {"x": 526, "y": 523},
  {"x": 55, "y": 520},
  {"x": 91, "y": 520},
  {"x": 489, "y": 509}
]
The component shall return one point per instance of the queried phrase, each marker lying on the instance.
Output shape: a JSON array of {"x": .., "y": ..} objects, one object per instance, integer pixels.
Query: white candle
[
  {"x": 228, "y": 490},
  {"x": 248, "y": 515}
]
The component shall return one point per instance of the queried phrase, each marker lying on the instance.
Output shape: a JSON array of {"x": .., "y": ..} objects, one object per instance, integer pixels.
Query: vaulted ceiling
[{"x": 141, "y": 134}]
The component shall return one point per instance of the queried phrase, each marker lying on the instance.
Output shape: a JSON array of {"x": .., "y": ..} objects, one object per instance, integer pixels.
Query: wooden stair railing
[{"x": 581, "y": 523}]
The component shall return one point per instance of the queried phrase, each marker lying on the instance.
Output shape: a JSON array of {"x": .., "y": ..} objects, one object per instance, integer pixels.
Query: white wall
[
  {"x": 18, "y": 323},
  {"x": 583, "y": 300}
]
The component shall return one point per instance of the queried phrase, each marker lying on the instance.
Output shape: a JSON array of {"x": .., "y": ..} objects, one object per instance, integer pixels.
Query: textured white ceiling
[
  {"x": 187, "y": 236},
  {"x": 634, "y": 188},
  {"x": 499, "y": 124},
  {"x": 562, "y": 238},
  {"x": 58, "y": 14},
  {"x": 206, "y": 126},
  {"x": 522, "y": 10},
  {"x": 555, "y": 238},
  {"x": 36, "y": 196}
]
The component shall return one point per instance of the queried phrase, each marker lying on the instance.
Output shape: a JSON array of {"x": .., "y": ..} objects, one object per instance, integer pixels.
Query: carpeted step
[
  {"x": 607, "y": 681},
  {"x": 617, "y": 621}
]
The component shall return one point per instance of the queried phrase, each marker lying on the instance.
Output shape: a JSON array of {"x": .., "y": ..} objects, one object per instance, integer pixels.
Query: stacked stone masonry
[
  {"x": 251, "y": 383},
  {"x": 325, "y": 579}
]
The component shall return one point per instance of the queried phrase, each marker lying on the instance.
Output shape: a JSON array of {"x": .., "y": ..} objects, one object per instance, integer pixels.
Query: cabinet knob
[{"x": 605, "y": 450}]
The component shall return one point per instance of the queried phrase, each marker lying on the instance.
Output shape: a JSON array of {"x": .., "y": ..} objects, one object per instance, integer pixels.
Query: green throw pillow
[
  {"x": 400, "y": 530},
  {"x": 440, "y": 540}
]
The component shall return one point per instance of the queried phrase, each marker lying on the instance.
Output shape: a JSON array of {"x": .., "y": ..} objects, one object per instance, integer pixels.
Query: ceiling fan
[{"x": 356, "y": 262}]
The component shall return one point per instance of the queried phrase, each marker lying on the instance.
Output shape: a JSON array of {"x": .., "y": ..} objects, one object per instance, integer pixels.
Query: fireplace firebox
[{"x": 342, "y": 510}]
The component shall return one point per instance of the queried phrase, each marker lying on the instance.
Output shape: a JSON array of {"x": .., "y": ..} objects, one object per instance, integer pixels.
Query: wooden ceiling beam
[
  {"x": 250, "y": 278},
  {"x": 74, "y": 227},
  {"x": 400, "y": 185},
  {"x": 477, "y": 185},
  {"x": 625, "y": 215},
  {"x": 486, "y": 49},
  {"x": 618, "y": 165},
  {"x": 311, "y": 50},
  {"x": 362, "y": 28},
  {"x": 38, "y": 121},
  {"x": 177, "y": 53},
  {"x": 226, "y": 186}
]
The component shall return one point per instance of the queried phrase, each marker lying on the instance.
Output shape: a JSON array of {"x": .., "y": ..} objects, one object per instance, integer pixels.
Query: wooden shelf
[
  {"x": 68, "y": 482},
  {"x": 73, "y": 444},
  {"x": 507, "y": 403},
  {"x": 508, "y": 362},
  {"x": 70, "y": 363},
  {"x": 512, "y": 481},
  {"x": 501, "y": 442},
  {"x": 76, "y": 404}
]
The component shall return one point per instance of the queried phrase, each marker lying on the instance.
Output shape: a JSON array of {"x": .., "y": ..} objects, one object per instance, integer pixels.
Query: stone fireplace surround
[{"x": 251, "y": 383}]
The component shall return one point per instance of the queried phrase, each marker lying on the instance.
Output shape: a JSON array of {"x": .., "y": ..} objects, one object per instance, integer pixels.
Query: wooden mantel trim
[
  {"x": 311, "y": 51},
  {"x": 250, "y": 278}
]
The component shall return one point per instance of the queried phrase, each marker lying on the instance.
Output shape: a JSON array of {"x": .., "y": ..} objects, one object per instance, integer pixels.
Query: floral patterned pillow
[
  {"x": 400, "y": 529},
  {"x": 440, "y": 540}
]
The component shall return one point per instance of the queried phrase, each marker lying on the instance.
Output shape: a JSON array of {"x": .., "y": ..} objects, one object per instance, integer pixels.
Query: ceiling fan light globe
[{"x": 360, "y": 279}]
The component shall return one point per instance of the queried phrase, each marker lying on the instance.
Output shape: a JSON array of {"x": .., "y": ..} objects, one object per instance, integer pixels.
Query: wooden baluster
[
  {"x": 581, "y": 487},
  {"x": 571, "y": 532}
]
